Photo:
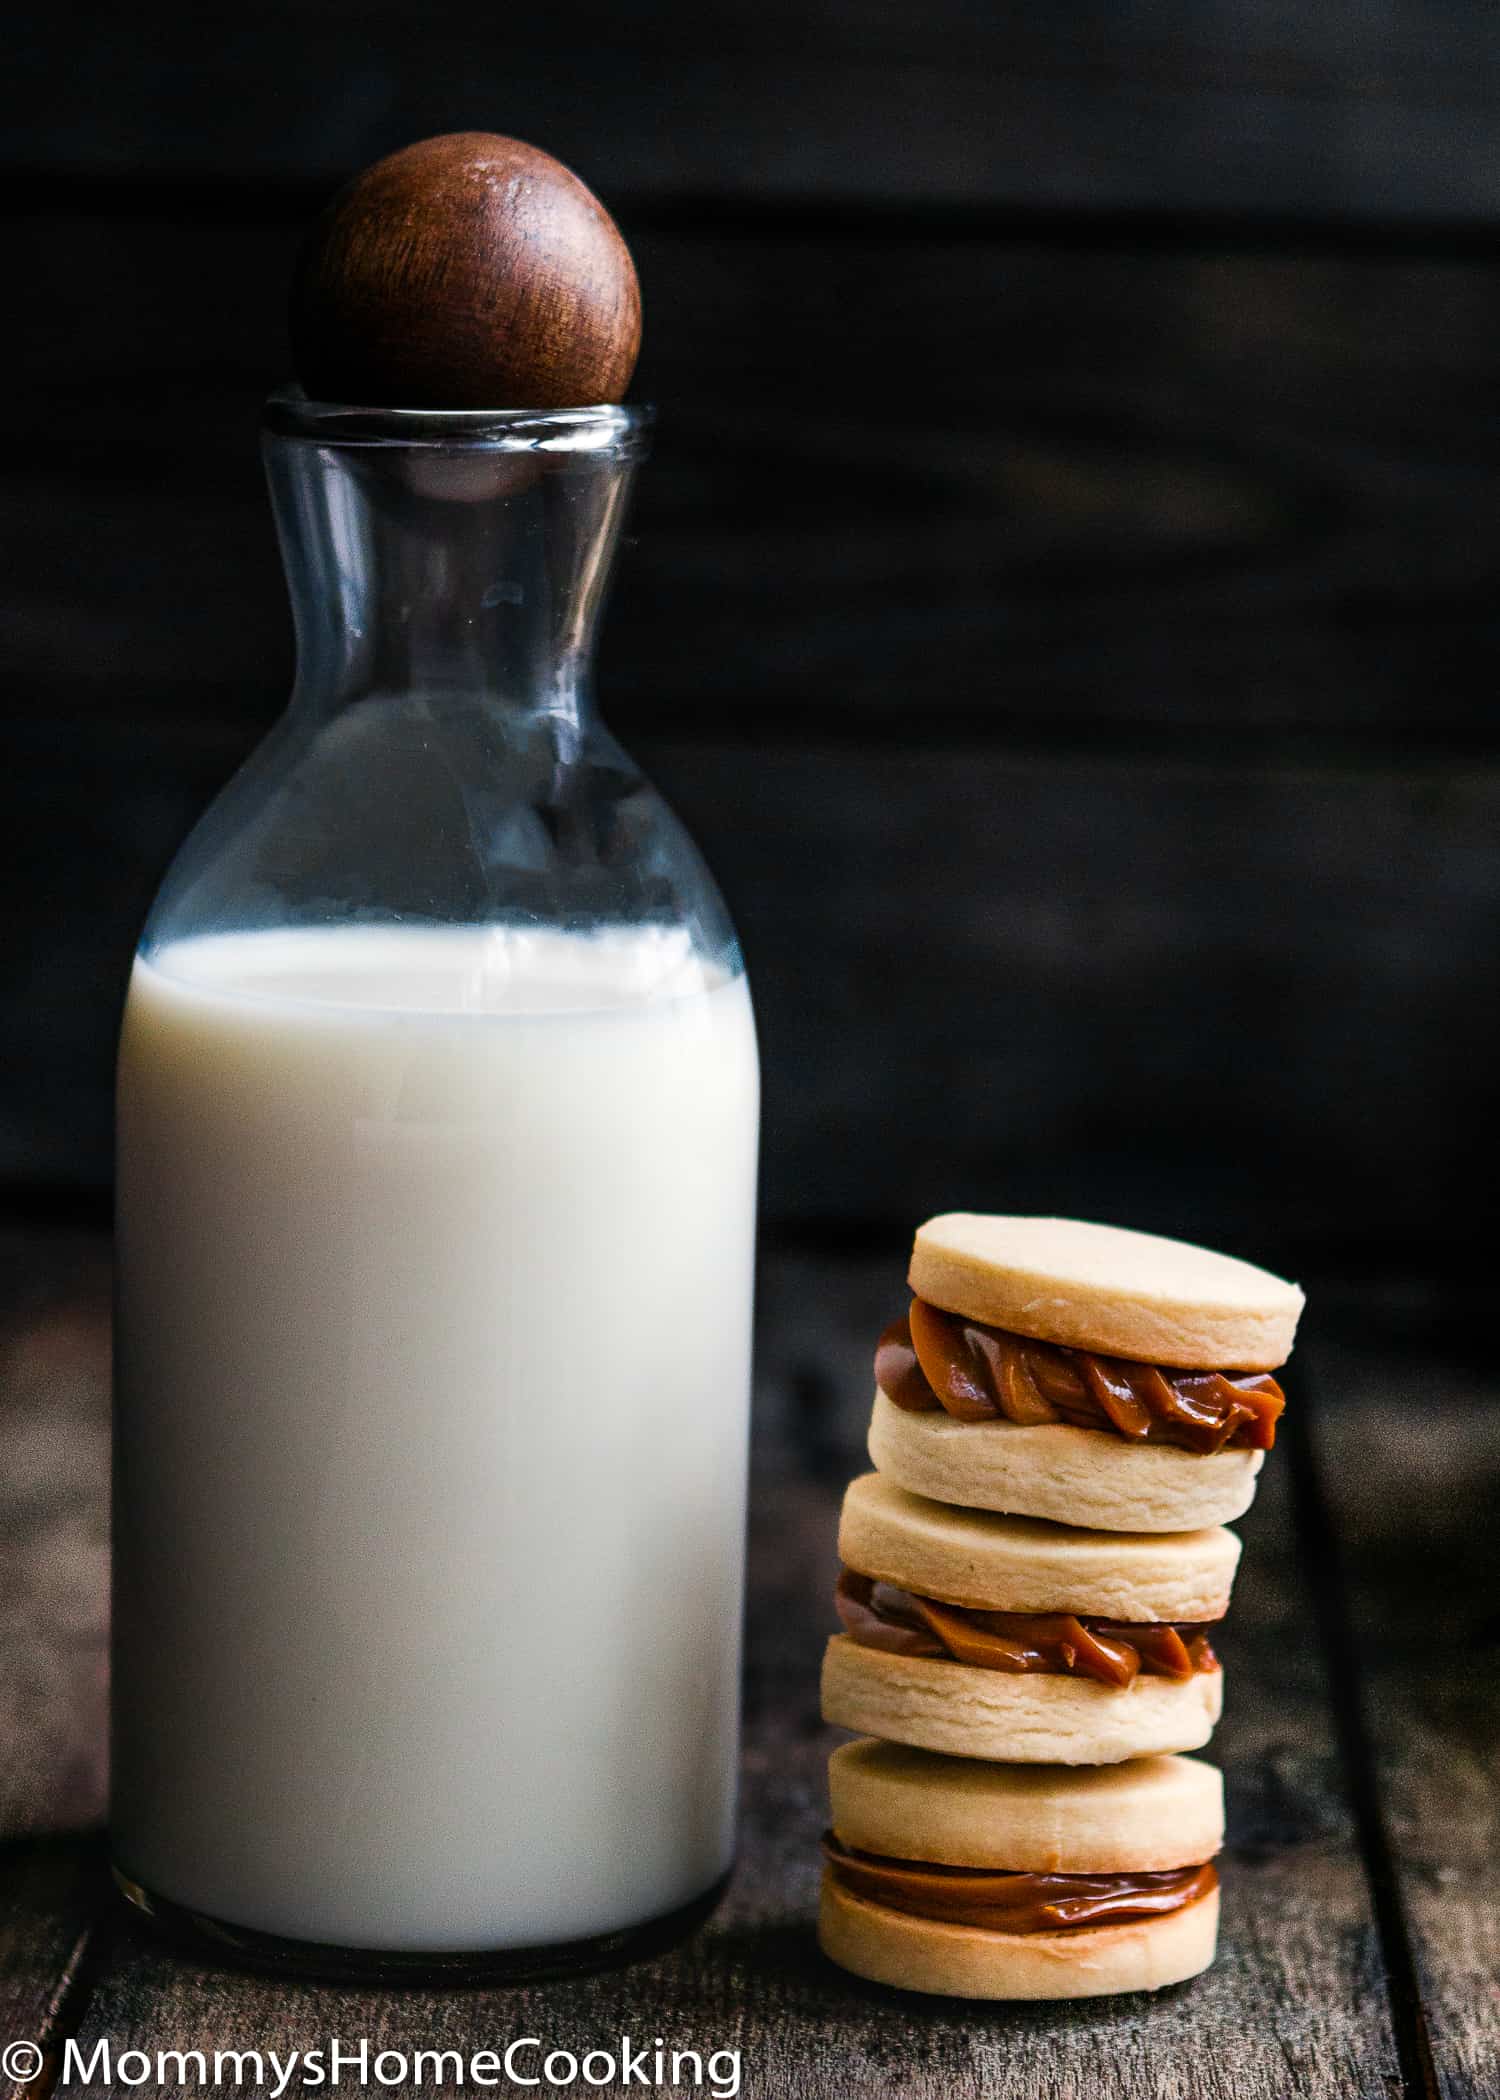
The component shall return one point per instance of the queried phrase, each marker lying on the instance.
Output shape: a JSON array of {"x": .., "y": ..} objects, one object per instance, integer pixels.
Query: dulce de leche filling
[
  {"x": 931, "y": 1359},
  {"x": 1056, "y": 1643},
  {"x": 1004, "y": 1902}
]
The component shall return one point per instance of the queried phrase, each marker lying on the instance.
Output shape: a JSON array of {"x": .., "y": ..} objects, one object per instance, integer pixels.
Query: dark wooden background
[{"x": 1062, "y": 602}]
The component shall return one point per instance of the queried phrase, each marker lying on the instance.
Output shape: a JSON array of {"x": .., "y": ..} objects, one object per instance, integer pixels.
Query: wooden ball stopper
[{"x": 469, "y": 271}]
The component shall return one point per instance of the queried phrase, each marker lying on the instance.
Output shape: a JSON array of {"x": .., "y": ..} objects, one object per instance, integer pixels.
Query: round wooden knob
[{"x": 470, "y": 271}]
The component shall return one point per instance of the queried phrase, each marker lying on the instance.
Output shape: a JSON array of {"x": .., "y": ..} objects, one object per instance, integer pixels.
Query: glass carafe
[{"x": 437, "y": 1139}]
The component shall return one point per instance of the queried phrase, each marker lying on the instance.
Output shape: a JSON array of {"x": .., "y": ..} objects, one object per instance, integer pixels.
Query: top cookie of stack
[{"x": 1081, "y": 1373}]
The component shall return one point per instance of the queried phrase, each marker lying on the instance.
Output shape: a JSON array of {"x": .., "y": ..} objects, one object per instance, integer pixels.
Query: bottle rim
[{"x": 610, "y": 430}]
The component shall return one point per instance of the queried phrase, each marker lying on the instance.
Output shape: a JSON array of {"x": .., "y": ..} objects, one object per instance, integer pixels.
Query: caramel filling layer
[
  {"x": 1055, "y": 1643},
  {"x": 931, "y": 1359},
  {"x": 1001, "y": 1902}
]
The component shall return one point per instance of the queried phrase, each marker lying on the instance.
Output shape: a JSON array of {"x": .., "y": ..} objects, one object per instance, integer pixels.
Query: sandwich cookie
[
  {"x": 1081, "y": 1373},
  {"x": 1003, "y": 1881},
  {"x": 1001, "y": 1637}
]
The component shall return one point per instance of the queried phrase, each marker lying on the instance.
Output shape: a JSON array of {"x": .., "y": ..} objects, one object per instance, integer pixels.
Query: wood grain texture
[
  {"x": 1287, "y": 969},
  {"x": 1068, "y": 493},
  {"x": 465, "y": 271},
  {"x": 1357, "y": 112},
  {"x": 1208, "y": 541},
  {"x": 1410, "y": 1453},
  {"x": 54, "y": 1373},
  {"x": 1294, "y": 2006},
  {"x": 54, "y": 1534}
]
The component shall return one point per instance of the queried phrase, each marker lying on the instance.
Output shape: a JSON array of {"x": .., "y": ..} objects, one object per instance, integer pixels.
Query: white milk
[{"x": 433, "y": 1370}]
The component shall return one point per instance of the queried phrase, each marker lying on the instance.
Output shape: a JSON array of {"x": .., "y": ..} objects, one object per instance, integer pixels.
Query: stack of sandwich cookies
[
  {"x": 1062, "y": 1422},
  {"x": 1020, "y": 1881}
]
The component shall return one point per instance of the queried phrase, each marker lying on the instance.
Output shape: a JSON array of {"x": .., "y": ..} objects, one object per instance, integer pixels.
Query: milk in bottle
[{"x": 437, "y": 1151}]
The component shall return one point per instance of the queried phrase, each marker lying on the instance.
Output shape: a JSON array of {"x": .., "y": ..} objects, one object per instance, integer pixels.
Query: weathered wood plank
[
  {"x": 1238, "y": 506},
  {"x": 54, "y": 1371},
  {"x": 1071, "y": 493},
  {"x": 50, "y": 1898},
  {"x": 1294, "y": 2005},
  {"x": 1357, "y": 112},
  {"x": 1097, "y": 984},
  {"x": 1100, "y": 987},
  {"x": 1410, "y": 1452},
  {"x": 54, "y": 1534}
]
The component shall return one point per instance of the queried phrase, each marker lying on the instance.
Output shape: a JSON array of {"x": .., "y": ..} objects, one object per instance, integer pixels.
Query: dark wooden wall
[{"x": 1062, "y": 603}]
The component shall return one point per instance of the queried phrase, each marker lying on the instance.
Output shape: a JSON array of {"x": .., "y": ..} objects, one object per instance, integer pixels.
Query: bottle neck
[{"x": 451, "y": 565}]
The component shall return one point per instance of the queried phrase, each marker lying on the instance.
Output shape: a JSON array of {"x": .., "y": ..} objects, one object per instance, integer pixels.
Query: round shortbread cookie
[
  {"x": 1142, "y": 1817},
  {"x": 1085, "y": 1477},
  {"x": 963, "y": 1961},
  {"x": 995, "y": 1563},
  {"x": 1103, "y": 1288},
  {"x": 1023, "y": 1717}
]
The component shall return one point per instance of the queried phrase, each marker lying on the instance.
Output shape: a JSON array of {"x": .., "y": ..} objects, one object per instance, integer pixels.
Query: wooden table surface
[{"x": 1361, "y": 1937}]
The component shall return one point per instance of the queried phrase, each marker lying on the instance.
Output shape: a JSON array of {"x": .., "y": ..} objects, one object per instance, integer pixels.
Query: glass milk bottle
[{"x": 437, "y": 1147}]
